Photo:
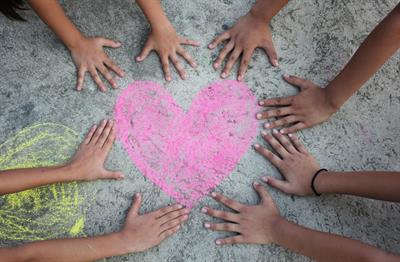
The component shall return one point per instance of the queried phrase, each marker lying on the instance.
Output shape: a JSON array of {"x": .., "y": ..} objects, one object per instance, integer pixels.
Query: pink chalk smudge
[{"x": 186, "y": 154}]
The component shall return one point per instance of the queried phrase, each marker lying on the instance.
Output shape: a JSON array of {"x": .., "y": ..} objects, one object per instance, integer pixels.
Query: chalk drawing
[
  {"x": 49, "y": 211},
  {"x": 186, "y": 154}
]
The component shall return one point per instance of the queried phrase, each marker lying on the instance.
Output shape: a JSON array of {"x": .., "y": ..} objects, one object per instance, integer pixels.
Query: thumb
[
  {"x": 137, "y": 201},
  {"x": 144, "y": 53},
  {"x": 110, "y": 43},
  {"x": 113, "y": 175},
  {"x": 296, "y": 81},
  {"x": 262, "y": 191},
  {"x": 278, "y": 184},
  {"x": 271, "y": 53}
]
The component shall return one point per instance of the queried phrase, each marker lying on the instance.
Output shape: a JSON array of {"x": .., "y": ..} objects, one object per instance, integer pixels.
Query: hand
[
  {"x": 168, "y": 45},
  {"x": 245, "y": 36},
  {"x": 309, "y": 108},
  {"x": 255, "y": 224},
  {"x": 88, "y": 161},
  {"x": 142, "y": 232},
  {"x": 89, "y": 55},
  {"x": 294, "y": 162}
]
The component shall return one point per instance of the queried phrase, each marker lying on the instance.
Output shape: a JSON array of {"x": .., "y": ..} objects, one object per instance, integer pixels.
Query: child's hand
[
  {"x": 88, "y": 161},
  {"x": 255, "y": 224},
  {"x": 296, "y": 165},
  {"x": 89, "y": 55},
  {"x": 245, "y": 36},
  {"x": 166, "y": 42},
  {"x": 309, "y": 108},
  {"x": 142, "y": 232}
]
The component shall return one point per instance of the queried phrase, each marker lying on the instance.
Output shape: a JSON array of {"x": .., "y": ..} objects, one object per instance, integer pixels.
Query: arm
[
  {"x": 140, "y": 233},
  {"x": 87, "y": 53},
  {"x": 262, "y": 224},
  {"x": 248, "y": 33},
  {"x": 86, "y": 164},
  {"x": 298, "y": 167},
  {"x": 314, "y": 105},
  {"x": 164, "y": 40}
]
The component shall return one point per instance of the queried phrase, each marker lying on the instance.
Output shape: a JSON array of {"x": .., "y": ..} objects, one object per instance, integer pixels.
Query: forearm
[
  {"x": 12, "y": 181},
  {"x": 267, "y": 9},
  {"x": 378, "y": 47},
  {"x": 54, "y": 16},
  {"x": 326, "y": 247},
  {"x": 71, "y": 250},
  {"x": 154, "y": 13},
  {"x": 373, "y": 184}
]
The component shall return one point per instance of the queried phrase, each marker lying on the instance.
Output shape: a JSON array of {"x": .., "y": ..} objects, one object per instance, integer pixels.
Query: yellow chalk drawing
[{"x": 46, "y": 212}]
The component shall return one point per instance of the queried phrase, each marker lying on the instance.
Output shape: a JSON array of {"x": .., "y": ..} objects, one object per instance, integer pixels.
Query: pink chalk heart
[{"x": 186, "y": 154}]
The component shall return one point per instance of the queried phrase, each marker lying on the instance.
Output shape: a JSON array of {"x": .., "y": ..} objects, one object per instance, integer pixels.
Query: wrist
[
  {"x": 333, "y": 102},
  {"x": 74, "y": 41},
  {"x": 278, "y": 229},
  {"x": 124, "y": 242},
  {"x": 256, "y": 14},
  {"x": 72, "y": 172},
  {"x": 321, "y": 183}
]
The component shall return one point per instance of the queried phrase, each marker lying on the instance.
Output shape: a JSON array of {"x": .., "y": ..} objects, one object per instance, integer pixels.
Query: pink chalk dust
[{"x": 186, "y": 154}]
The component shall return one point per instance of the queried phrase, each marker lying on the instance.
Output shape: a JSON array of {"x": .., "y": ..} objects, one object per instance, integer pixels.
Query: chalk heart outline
[{"x": 186, "y": 154}]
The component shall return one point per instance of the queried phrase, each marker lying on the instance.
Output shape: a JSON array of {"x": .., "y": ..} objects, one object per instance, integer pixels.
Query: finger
[
  {"x": 110, "y": 64},
  {"x": 285, "y": 142},
  {"x": 244, "y": 63},
  {"x": 107, "y": 75},
  {"x": 276, "y": 145},
  {"x": 278, "y": 184},
  {"x": 284, "y": 121},
  {"x": 295, "y": 139},
  {"x": 173, "y": 223},
  {"x": 187, "y": 41},
  {"x": 182, "y": 52},
  {"x": 271, "y": 53},
  {"x": 282, "y": 111},
  {"x": 81, "y": 76},
  {"x": 137, "y": 201},
  {"x": 89, "y": 135},
  {"x": 169, "y": 232},
  {"x": 274, "y": 159},
  {"x": 280, "y": 101},
  {"x": 296, "y": 81},
  {"x": 227, "y": 216},
  {"x": 230, "y": 240},
  {"x": 107, "y": 145},
  {"x": 96, "y": 79},
  {"x": 227, "y": 201},
  {"x": 222, "y": 37},
  {"x": 162, "y": 211},
  {"x": 104, "y": 135},
  {"x": 110, "y": 43},
  {"x": 98, "y": 132},
  {"x": 172, "y": 215},
  {"x": 294, "y": 128},
  {"x": 145, "y": 52},
  {"x": 178, "y": 65},
  {"x": 262, "y": 192},
  {"x": 227, "y": 48},
  {"x": 165, "y": 67},
  {"x": 229, "y": 227},
  {"x": 231, "y": 61}
]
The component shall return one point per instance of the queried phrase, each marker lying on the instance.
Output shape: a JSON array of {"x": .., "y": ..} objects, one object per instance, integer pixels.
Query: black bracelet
[{"x": 313, "y": 179}]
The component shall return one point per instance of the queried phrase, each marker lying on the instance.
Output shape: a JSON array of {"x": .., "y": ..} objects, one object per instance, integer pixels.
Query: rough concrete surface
[{"x": 314, "y": 39}]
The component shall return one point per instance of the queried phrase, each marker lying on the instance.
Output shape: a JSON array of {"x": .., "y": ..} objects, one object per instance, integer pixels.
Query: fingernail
[
  {"x": 290, "y": 135},
  {"x": 169, "y": 78},
  {"x": 210, "y": 46},
  {"x": 276, "y": 63},
  {"x": 185, "y": 217},
  {"x": 264, "y": 133},
  {"x": 267, "y": 125},
  {"x": 261, "y": 103},
  {"x": 204, "y": 210},
  {"x": 207, "y": 225},
  {"x": 265, "y": 179},
  {"x": 275, "y": 131},
  {"x": 256, "y": 145},
  {"x": 218, "y": 242},
  {"x": 240, "y": 78},
  {"x": 216, "y": 65},
  {"x": 178, "y": 227},
  {"x": 223, "y": 75},
  {"x": 282, "y": 131},
  {"x": 259, "y": 116},
  {"x": 137, "y": 195},
  {"x": 213, "y": 194},
  {"x": 286, "y": 75},
  {"x": 256, "y": 183}
]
